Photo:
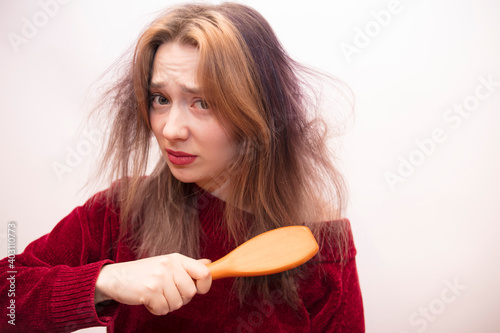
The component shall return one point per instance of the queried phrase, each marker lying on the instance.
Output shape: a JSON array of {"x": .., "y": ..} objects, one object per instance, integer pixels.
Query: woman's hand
[{"x": 163, "y": 283}]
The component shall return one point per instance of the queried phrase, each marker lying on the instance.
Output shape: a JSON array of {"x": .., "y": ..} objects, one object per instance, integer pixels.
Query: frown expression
[{"x": 197, "y": 148}]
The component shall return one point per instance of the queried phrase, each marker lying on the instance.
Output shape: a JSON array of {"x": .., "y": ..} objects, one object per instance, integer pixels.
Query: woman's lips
[{"x": 180, "y": 157}]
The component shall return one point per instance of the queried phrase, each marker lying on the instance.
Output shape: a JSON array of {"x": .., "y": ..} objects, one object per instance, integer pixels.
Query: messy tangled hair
[{"x": 283, "y": 171}]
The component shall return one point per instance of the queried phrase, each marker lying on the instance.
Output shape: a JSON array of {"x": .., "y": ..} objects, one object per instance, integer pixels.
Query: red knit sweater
[{"x": 56, "y": 274}]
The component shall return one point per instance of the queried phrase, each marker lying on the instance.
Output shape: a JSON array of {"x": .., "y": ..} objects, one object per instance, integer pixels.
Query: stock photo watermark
[
  {"x": 453, "y": 117},
  {"x": 420, "y": 320},
  {"x": 11, "y": 271},
  {"x": 380, "y": 19},
  {"x": 31, "y": 25},
  {"x": 263, "y": 309},
  {"x": 75, "y": 155}
]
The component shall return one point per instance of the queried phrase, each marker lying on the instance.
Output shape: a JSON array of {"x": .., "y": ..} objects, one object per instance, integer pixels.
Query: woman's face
[{"x": 195, "y": 145}]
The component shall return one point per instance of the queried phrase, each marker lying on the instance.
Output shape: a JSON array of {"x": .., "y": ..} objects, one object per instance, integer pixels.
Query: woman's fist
[{"x": 162, "y": 284}]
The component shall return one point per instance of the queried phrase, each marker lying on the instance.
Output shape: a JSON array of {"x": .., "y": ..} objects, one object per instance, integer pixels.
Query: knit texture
[{"x": 56, "y": 274}]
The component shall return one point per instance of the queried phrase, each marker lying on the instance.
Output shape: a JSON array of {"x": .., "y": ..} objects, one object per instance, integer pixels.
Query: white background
[{"x": 437, "y": 226}]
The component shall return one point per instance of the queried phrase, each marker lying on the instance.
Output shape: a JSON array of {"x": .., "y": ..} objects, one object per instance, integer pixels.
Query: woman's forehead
[{"x": 175, "y": 63}]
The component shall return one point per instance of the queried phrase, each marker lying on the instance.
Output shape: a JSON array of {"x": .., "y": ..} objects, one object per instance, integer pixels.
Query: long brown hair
[{"x": 283, "y": 171}]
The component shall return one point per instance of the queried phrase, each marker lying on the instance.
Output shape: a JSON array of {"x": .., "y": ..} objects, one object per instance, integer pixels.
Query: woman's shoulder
[
  {"x": 111, "y": 196},
  {"x": 103, "y": 201},
  {"x": 335, "y": 240}
]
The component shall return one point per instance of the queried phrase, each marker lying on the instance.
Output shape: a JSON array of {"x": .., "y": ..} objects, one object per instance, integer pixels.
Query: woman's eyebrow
[
  {"x": 156, "y": 85},
  {"x": 190, "y": 90}
]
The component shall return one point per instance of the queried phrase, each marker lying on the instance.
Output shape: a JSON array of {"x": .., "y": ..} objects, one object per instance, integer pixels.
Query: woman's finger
[
  {"x": 157, "y": 304},
  {"x": 185, "y": 284},
  {"x": 200, "y": 273}
]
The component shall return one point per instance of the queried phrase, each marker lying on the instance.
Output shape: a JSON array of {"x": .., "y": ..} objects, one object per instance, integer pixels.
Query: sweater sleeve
[
  {"x": 332, "y": 296},
  {"x": 334, "y": 303},
  {"x": 52, "y": 282}
]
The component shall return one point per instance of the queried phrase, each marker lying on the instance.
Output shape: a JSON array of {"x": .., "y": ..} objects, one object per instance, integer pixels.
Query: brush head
[{"x": 272, "y": 252}]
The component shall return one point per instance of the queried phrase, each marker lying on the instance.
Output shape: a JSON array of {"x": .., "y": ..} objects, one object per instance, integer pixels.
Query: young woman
[{"x": 242, "y": 151}]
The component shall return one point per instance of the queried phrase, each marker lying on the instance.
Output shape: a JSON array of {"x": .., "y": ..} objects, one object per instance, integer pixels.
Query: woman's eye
[
  {"x": 159, "y": 100},
  {"x": 202, "y": 104}
]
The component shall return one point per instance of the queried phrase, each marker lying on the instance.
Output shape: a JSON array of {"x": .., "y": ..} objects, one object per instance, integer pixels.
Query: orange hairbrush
[{"x": 272, "y": 252}]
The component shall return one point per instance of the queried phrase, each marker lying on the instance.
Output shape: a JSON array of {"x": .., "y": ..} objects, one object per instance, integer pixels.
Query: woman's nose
[{"x": 176, "y": 125}]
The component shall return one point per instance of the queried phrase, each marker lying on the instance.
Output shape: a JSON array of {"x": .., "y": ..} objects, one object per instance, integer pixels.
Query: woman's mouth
[{"x": 180, "y": 157}]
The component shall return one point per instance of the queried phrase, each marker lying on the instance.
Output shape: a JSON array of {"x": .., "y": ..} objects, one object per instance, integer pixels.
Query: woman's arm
[
  {"x": 62, "y": 278},
  {"x": 334, "y": 300},
  {"x": 332, "y": 294},
  {"x": 54, "y": 279}
]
